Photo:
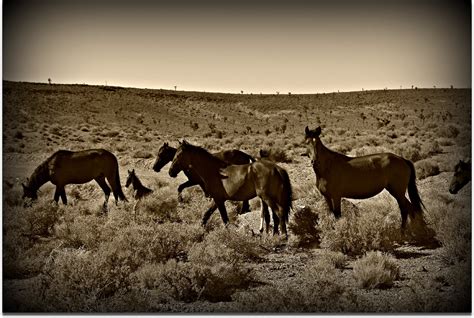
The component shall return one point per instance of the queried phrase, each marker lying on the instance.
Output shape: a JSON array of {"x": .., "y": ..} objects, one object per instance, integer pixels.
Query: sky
[{"x": 233, "y": 46}]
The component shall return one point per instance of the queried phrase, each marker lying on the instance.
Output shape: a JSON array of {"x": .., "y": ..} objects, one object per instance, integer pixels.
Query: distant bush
[
  {"x": 426, "y": 168},
  {"x": 449, "y": 131},
  {"x": 376, "y": 270},
  {"x": 276, "y": 154},
  {"x": 142, "y": 154}
]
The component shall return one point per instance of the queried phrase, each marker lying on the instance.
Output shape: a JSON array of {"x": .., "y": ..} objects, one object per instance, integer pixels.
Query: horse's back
[
  {"x": 82, "y": 166},
  {"x": 235, "y": 157},
  {"x": 365, "y": 176}
]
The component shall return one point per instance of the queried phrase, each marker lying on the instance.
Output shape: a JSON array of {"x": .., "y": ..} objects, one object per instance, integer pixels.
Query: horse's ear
[
  {"x": 306, "y": 130},
  {"x": 318, "y": 131},
  {"x": 185, "y": 142},
  {"x": 166, "y": 144}
]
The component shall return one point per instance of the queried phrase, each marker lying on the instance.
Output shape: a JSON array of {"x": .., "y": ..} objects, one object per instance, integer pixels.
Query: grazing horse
[
  {"x": 462, "y": 175},
  {"x": 224, "y": 182},
  {"x": 141, "y": 190},
  {"x": 363, "y": 177},
  {"x": 69, "y": 167},
  {"x": 166, "y": 154}
]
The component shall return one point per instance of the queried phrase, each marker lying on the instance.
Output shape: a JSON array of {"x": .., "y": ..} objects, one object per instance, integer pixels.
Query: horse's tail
[
  {"x": 120, "y": 193},
  {"x": 413, "y": 190},
  {"x": 288, "y": 205}
]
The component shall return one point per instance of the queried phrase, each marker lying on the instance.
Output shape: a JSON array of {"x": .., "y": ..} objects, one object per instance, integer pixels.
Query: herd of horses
[{"x": 237, "y": 176}]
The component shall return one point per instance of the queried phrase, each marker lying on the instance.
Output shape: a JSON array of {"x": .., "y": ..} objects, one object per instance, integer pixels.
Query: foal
[{"x": 141, "y": 190}]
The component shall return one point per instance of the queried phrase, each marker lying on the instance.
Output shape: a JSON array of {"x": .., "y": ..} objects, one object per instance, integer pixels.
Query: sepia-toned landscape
[{"x": 154, "y": 256}]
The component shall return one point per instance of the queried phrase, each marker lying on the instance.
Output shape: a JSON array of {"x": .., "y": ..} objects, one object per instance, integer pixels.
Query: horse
[
  {"x": 69, "y": 167},
  {"x": 363, "y": 177},
  {"x": 166, "y": 154},
  {"x": 224, "y": 182},
  {"x": 141, "y": 190},
  {"x": 462, "y": 175}
]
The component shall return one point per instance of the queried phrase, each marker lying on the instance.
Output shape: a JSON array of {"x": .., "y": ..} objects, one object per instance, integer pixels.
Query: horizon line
[{"x": 276, "y": 93}]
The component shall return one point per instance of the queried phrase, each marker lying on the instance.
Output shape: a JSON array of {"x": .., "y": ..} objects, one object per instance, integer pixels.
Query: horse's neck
[
  {"x": 137, "y": 183},
  {"x": 326, "y": 157},
  {"x": 40, "y": 176},
  {"x": 200, "y": 165}
]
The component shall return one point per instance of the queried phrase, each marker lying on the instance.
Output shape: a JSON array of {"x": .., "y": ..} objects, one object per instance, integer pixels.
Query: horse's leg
[
  {"x": 208, "y": 213},
  {"x": 276, "y": 222},
  {"x": 57, "y": 193},
  {"x": 328, "y": 202},
  {"x": 183, "y": 186},
  {"x": 106, "y": 189},
  {"x": 223, "y": 212},
  {"x": 403, "y": 204},
  {"x": 63, "y": 196},
  {"x": 336, "y": 205},
  {"x": 283, "y": 222},
  {"x": 245, "y": 207},
  {"x": 115, "y": 190},
  {"x": 264, "y": 216}
]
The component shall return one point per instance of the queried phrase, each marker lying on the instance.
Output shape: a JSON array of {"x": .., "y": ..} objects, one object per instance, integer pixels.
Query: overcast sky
[{"x": 229, "y": 46}]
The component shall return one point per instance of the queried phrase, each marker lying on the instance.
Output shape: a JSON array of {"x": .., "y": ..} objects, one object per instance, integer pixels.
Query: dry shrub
[
  {"x": 426, "y": 168},
  {"x": 453, "y": 231},
  {"x": 304, "y": 225},
  {"x": 376, "y": 270},
  {"x": 276, "y": 154},
  {"x": 41, "y": 216},
  {"x": 356, "y": 232},
  {"x": 160, "y": 206},
  {"x": 214, "y": 271},
  {"x": 336, "y": 259},
  {"x": 142, "y": 154},
  {"x": 77, "y": 279},
  {"x": 450, "y": 131},
  {"x": 80, "y": 230},
  {"x": 318, "y": 290}
]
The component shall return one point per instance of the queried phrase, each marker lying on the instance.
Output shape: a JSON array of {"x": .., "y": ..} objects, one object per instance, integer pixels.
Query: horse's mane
[
  {"x": 203, "y": 152},
  {"x": 333, "y": 152}
]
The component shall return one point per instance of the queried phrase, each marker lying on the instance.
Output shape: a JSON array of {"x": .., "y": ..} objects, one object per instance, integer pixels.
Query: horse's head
[
  {"x": 165, "y": 155},
  {"x": 462, "y": 175},
  {"x": 180, "y": 159},
  {"x": 312, "y": 138},
  {"x": 131, "y": 175},
  {"x": 311, "y": 135},
  {"x": 29, "y": 192}
]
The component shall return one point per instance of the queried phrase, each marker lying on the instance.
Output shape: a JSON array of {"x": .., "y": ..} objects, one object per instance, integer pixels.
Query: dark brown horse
[
  {"x": 339, "y": 176},
  {"x": 166, "y": 154},
  {"x": 140, "y": 190},
  {"x": 224, "y": 182},
  {"x": 462, "y": 175},
  {"x": 68, "y": 167}
]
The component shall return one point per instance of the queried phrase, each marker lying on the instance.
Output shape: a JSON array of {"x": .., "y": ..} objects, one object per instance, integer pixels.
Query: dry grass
[
  {"x": 376, "y": 270},
  {"x": 155, "y": 254}
]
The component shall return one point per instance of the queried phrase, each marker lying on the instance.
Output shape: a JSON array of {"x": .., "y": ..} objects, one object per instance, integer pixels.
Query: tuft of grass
[{"x": 376, "y": 270}]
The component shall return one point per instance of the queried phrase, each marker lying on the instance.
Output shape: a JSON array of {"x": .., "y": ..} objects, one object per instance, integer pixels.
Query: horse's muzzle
[{"x": 173, "y": 174}]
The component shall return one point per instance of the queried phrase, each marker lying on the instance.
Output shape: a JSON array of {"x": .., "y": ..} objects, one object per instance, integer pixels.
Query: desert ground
[{"x": 156, "y": 257}]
